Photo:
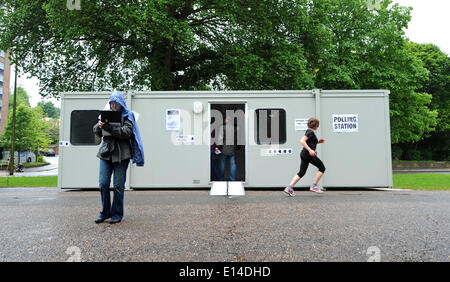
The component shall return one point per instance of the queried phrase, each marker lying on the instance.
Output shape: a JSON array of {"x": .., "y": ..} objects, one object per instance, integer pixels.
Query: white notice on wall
[
  {"x": 301, "y": 124},
  {"x": 345, "y": 123},
  {"x": 173, "y": 119},
  {"x": 185, "y": 139}
]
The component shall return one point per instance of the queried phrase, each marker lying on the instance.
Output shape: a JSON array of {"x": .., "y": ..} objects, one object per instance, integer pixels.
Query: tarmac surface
[{"x": 48, "y": 224}]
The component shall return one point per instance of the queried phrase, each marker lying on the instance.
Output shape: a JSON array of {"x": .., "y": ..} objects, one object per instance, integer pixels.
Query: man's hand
[
  {"x": 321, "y": 140},
  {"x": 106, "y": 126},
  {"x": 312, "y": 153}
]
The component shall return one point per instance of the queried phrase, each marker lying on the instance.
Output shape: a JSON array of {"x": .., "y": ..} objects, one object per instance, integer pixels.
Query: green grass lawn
[
  {"x": 29, "y": 181},
  {"x": 425, "y": 181}
]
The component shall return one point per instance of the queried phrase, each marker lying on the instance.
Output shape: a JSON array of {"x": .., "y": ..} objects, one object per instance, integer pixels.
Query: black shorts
[{"x": 306, "y": 159}]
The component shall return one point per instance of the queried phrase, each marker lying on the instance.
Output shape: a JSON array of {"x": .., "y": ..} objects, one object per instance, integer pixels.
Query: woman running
[{"x": 307, "y": 156}]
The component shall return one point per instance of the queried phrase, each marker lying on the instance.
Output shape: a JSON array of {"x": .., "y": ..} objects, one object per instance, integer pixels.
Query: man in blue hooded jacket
[{"x": 119, "y": 146}]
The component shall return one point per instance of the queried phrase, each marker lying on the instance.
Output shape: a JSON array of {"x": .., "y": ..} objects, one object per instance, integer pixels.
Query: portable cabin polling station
[{"x": 176, "y": 132}]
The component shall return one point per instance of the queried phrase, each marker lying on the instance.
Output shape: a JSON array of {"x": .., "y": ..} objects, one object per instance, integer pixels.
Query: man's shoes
[
  {"x": 114, "y": 220},
  {"x": 100, "y": 219}
]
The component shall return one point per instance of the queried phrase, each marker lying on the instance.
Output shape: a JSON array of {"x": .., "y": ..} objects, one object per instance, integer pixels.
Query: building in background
[{"x": 5, "y": 71}]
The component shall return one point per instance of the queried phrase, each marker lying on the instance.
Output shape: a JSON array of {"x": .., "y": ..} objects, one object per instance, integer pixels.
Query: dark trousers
[
  {"x": 306, "y": 159},
  {"x": 232, "y": 160},
  {"x": 107, "y": 168},
  {"x": 215, "y": 169}
]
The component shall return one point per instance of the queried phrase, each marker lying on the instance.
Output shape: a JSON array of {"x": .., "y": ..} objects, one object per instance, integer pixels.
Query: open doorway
[{"x": 228, "y": 136}]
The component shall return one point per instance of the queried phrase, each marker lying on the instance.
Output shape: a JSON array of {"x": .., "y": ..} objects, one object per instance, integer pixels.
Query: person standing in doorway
[
  {"x": 227, "y": 146},
  {"x": 307, "y": 156},
  {"x": 215, "y": 153},
  {"x": 121, "y": 143}
]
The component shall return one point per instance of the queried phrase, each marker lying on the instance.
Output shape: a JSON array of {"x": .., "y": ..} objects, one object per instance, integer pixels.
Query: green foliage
[
  {"x": 22, "y": 98},
  {"x": 49, "y": 109},
  {"x": 437, "y": 64},
  {"x": 413, "y": 155},
  {"x": 162, "y": 45},
  {"x": 40, "y": 159},
  {"x": 42, "y": 129},
  {"x": 235, "y": 44},
  {"x": 29, "y": 130},
  {"x": 24, "y": 129},
  {"x": 53, "y": 131},
  {"x": 50, "y": 126},
  {"x": 352, "y": 47},
  {"x": 396, "y": 152}
]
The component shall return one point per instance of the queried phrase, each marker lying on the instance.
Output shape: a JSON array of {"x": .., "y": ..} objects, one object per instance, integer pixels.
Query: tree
[
  {"x": 349, "y": 46},
  {"x": 25, "y": 133},
  {"x": 49, "y": 109},
  {"x": 236, "y": 44},
  {"x": 437, "y": 63},
  {"x": 30, "y": 130},
  {"x": 162, "y": 45},
  {"x": 22, "y": 98},
  {"x": 53, "y": 131},
  {"x": 42, "y": 129},
  {"x": 50, "y": 127}
]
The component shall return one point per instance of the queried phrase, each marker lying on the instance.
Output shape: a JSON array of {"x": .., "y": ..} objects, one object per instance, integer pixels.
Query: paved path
[
  {"x": 49, "y": 170},
  {"x": 42, "y": 224}
]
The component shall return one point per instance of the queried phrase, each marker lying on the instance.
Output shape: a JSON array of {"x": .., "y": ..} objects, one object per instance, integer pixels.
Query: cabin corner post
[{"x": 317, "y": 96}]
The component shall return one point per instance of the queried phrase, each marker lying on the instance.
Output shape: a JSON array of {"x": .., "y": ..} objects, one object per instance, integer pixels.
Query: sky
[{"x": 429, "y": 24}]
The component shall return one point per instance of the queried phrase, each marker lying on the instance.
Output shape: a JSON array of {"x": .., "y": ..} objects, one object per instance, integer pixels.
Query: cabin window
[
  {"x": 81, "y": 127},
  {"x": 270, "y": 126}
]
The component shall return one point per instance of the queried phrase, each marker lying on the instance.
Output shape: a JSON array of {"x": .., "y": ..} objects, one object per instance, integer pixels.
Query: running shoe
[
  {"x": 315, "y": 188},
  {"x": 288, "y": 190}
]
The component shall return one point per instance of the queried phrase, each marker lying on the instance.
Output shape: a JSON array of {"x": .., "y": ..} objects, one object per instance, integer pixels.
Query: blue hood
[{"x": 137, "y": 150}]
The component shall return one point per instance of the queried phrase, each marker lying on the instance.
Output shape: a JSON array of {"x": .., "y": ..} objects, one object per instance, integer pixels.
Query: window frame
[
  {"x": 97, "y": 140},
  {"x": 282, "y": 137}
]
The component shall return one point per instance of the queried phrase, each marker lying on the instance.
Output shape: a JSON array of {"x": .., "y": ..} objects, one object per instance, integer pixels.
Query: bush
[
  {"x": 413, "y": 155},
  {"x": 426, "y": 155},
  {"x": 396, "y": 152},
  {"x": 40, "y": 159}
]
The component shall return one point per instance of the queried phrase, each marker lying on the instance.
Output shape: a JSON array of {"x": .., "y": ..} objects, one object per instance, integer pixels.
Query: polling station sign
[{"x": 345, "y": 123}]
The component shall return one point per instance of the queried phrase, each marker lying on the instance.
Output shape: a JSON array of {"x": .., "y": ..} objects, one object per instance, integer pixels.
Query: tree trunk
[{"x": 168, "y": 65}]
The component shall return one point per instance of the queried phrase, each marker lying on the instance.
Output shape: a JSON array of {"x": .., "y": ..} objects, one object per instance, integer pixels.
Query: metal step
[
  {"x": 227, "y": 188},
  {"x": 236, "y": 188},
  {"x": 219, "y": 188}
]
